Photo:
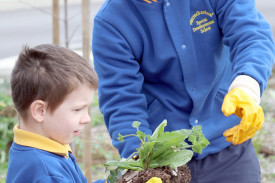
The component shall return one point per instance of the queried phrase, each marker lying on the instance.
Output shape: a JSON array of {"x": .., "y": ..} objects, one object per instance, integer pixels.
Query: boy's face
[{"x": 70, "y": 117}]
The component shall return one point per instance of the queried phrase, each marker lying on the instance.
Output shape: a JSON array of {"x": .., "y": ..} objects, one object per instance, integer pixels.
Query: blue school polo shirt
[{"x": 34, "y": 158}]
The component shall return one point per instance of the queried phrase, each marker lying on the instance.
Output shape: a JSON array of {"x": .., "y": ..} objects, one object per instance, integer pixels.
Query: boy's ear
[{"x": 38, "y": 110}]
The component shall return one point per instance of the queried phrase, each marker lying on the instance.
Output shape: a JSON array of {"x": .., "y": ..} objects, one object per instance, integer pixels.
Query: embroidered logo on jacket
[
  {"x": 202, "y": 21},
  {"x": 150, "y": 1}
]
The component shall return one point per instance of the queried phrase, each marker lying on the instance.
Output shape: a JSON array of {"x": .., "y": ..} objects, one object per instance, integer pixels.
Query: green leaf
[
  {"x": 165, "y": 141},
  {"x": 198, "y": 140},
  {"x": 148, "y": 137},
  {"x": 159, "y": 130},
  {"x": 136, "y": 124},
  {"x": 120, "y": 138},
  {"x": 124, "y": 164},
  {"x": 141, "y": 135},
  {"x": 185, "y": 132},
  {"x": 145, "y": 151},
  {"x": 113, "y": 176},
  {"x": 174, "y": 159}
]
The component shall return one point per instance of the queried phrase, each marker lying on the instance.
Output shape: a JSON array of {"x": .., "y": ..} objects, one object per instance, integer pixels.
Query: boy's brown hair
[{"x": 48, "y": 72}]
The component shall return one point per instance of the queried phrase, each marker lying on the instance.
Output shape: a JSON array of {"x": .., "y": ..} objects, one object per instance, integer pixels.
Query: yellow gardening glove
[
  {"x": 154, "y": 180},
  {"x": 252, "y": 117}
]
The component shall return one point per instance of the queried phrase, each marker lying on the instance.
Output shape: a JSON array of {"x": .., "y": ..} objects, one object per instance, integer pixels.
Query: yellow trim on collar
[
  {"x": 26, "y": 138},
  {"x": 149, "y": 1}
]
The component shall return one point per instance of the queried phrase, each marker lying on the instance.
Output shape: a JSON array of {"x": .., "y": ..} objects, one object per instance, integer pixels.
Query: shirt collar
[{"x": 26, "y": 138}]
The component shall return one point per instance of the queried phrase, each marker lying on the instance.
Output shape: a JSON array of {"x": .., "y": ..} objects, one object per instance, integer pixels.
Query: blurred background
[{"x": 32, "y": 22}]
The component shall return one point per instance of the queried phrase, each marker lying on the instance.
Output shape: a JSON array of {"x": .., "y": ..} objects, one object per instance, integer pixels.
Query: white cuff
[{"x": 249, "y": 85}]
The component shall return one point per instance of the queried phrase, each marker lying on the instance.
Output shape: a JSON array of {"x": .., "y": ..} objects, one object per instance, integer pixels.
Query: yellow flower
[{"x": 154, "y": 180}]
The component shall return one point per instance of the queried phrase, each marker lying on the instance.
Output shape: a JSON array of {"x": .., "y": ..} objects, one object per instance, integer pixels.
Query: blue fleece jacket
[{"x": 174, "y": 60}]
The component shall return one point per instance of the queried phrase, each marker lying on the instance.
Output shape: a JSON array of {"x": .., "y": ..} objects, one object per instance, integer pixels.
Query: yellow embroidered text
[
  {"x": 200, "y": 13},
  {"x": 203, "y": 24},
  {"x": 204, "y": 27}
]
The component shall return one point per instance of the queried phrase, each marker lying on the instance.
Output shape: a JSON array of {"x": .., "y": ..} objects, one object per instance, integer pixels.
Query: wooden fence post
[
  {"x": 55, "y": 14},
  {"x": 66, "y": 23},
  {"x": 86, "y": 54}
]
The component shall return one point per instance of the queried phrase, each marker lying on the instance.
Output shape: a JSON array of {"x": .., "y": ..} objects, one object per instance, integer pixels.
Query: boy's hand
[{"x": 252, "y": 117}]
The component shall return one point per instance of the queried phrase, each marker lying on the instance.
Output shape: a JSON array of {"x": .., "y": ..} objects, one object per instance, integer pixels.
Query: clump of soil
[{"x": 166, "y": 174}]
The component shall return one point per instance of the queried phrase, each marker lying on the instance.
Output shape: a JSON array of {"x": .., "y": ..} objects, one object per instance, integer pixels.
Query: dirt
[{"x": 166, "y": 174}]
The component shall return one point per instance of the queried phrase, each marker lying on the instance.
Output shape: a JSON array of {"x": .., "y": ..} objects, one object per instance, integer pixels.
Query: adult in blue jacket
[{"x": 183, "y": 61}]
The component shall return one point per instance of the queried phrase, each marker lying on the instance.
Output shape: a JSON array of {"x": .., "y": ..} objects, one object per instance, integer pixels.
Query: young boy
[{"x": 52, "y": 88}]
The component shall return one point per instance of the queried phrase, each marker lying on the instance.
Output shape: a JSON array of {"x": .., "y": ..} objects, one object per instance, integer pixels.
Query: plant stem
[{"x": 132, "y": 155}]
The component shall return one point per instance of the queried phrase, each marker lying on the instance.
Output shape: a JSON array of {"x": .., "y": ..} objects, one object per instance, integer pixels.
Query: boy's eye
[
  {"x": 81, "y": 108},
  {"x": 78, "y": 109}
]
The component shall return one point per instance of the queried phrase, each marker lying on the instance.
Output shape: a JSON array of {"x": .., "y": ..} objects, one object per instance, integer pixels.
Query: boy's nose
[{"x": 86, "y": 118}]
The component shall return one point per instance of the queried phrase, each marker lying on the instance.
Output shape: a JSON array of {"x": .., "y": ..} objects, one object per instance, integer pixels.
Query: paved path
[
  {"x": 30, "y": 21},
  {"x": 11, "y": 5}
]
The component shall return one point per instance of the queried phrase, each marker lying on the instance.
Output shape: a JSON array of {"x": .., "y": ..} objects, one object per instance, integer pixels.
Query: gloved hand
[
  {"x": 154, "y": 180},
  {"x": 252, "y": 117}
]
